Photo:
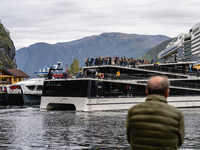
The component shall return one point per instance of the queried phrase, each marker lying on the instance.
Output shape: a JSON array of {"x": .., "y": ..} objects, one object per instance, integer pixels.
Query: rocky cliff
[{"x": 7, "y": 49}]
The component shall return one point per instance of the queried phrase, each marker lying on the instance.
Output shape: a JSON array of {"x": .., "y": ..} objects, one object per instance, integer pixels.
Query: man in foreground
[{"x": 154, "y": 124}]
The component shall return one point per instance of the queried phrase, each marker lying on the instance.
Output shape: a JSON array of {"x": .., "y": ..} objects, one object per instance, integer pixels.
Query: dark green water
[{"x": 31, "y": 129}]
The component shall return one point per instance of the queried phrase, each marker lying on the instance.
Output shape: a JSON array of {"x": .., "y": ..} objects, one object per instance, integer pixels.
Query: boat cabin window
[
  {"x": 71, "y": 88},
  {"x": 53, "y": 88},
  {"x": 31, "y": 87},
  {"x": 111, "y": 89},
  {"x": 39, "y": 88},
  {"x": 76, "y": 88}
]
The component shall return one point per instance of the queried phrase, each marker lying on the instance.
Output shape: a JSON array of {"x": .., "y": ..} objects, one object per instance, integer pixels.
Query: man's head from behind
[{"x": 158, "y": 85}]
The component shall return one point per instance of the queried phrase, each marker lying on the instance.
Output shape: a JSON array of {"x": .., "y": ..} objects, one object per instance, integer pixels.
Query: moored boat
[{"x": 29, "y": 92}]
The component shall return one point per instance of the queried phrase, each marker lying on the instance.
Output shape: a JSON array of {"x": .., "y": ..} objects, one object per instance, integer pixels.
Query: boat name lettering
[
  {"x": 64, "y": 99},
  {"x": 61, "y": 99},
  {"x": 101, "y": 101}
]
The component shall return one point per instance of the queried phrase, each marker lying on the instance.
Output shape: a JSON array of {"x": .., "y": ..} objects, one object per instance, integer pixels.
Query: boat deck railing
[
  {"x": 136, "y": 76},
  {"x": 126, "y": 77},
  {"x": 178, "y": 83},
  {"x": 164, "y": 69},
  {"x": 168, "y": 69},
  {"x": 5, "y": 82}
]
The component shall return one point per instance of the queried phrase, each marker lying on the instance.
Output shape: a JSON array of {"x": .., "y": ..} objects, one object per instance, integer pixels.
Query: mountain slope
[{"x": 38, "y": 55}]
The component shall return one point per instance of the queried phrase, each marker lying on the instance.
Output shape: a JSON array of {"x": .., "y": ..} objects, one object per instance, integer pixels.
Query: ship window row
[
  {"x": 169, "y": 51},
  {"x": 196, "y": 44},
  {"x": 196, "y": 34},
  {"x": 187, "y": 44},
  {"x": 195, "y": 49},
  {"x": 180, "y": 56},
  {"x": 195, "y": 30},
  {"x": 197, "y": 59},
  {"x": 187, "y": 47},
  {"x": 188, "y": 55},
  {"x": 180, "y": 50},
  {"x": 195, "y": 56},
  {"x": 196, "y": 52},
  {"x": 188, "y": 51},
  {"x": 195, "y": 40}
]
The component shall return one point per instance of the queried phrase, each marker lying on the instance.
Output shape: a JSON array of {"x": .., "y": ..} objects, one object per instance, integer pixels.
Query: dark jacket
[{"x": 154, "y": 124}]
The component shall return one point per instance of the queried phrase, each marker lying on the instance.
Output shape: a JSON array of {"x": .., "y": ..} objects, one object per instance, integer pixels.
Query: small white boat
[{"x": 30, "y": 92}]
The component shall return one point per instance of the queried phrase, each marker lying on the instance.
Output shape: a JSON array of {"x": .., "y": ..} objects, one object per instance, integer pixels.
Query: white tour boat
[{"x": 115, "y": 92}]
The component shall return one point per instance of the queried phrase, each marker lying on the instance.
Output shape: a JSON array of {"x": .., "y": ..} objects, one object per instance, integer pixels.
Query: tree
[{"x": 74, "y": 67}]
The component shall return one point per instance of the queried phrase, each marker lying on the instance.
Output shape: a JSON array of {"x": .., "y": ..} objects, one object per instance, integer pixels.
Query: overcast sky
[{"x": 52, "y": 21}]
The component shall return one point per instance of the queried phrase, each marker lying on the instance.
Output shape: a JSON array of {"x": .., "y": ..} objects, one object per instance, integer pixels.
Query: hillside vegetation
[
  {"x": 153, "y": 52},
  {"x": 7, "y": 49}
]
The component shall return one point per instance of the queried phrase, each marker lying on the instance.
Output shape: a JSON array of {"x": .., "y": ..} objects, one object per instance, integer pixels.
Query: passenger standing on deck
[
  {"x": 105, "y": 60},
  {"x": 91, "y": 61},
  {"x": 99, "y": 61},
  {"x": 96, "y": 61},
  {"x": 154, "y": 124},
  {"x": 115, "y": 60},
  {"x": 86, "y": 62},
  {"x": 109, "y": 60}
]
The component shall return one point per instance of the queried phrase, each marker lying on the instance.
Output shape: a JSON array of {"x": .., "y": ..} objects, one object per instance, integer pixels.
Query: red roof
[{"x": 18, "y": 73}]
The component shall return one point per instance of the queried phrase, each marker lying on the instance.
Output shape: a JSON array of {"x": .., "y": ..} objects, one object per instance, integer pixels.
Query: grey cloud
[{"x": 55, "y": 21}]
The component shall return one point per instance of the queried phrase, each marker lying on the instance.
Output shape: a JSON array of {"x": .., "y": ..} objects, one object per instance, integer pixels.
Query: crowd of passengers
[{"x": 121, "y": 61}]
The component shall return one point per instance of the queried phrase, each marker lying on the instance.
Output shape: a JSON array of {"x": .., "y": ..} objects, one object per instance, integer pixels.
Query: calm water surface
[{"x": 29, "y": 129}]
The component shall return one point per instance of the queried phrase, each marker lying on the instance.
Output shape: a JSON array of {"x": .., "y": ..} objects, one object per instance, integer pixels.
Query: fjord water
[{"x": 28, "y": 128}]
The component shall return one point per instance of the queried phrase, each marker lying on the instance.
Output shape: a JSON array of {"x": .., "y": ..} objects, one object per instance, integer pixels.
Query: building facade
[{"x": 11, "y": 76}]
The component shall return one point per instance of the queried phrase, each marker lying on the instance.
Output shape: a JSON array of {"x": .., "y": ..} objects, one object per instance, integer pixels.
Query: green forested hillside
[{"x": 153, "y": 52}]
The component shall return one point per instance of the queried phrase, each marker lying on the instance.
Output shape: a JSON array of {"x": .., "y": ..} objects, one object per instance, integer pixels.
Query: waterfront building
[
  {"x": 11, "y": 76},
  {"x": 184, "y": 47}
]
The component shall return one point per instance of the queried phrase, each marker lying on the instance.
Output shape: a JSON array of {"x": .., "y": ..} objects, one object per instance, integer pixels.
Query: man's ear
[
  {"x": 167, "y": 93},
  {"x": 147, "y": 93}
]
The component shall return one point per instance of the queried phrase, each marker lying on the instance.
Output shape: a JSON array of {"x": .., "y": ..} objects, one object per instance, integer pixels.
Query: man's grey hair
[{"x": 158, "y": 87}]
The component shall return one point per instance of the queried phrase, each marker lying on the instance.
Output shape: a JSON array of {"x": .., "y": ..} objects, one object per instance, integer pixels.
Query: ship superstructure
[{"x": 184, "y": 47}]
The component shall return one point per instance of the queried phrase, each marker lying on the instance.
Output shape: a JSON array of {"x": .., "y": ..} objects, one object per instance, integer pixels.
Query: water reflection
[{"x": 28, "y": 128}]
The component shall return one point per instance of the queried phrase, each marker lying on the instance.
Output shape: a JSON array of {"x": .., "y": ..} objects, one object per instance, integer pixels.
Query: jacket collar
[{"x": 156, "y": 97}]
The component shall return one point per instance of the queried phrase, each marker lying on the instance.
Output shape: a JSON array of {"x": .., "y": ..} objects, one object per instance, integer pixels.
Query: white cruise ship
[{"x": 185, "y": 47}]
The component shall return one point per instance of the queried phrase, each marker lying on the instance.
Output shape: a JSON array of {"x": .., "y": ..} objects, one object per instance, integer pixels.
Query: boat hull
[
  {"x": 95, "y": 104},
  {"x": 31, "y": 99},
  {"x": 15, "y": 99}
]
